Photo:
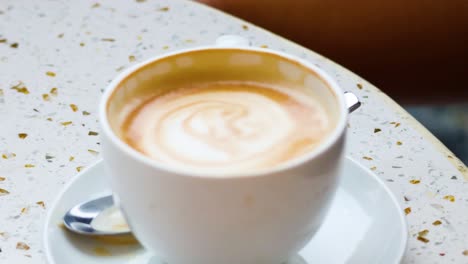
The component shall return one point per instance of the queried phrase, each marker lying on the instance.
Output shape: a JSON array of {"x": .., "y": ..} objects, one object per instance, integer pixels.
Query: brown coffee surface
[{"x": 229, "y": 127}]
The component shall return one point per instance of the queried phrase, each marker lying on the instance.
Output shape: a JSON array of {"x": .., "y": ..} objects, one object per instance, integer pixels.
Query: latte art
[{"x": 226, "y": 126}]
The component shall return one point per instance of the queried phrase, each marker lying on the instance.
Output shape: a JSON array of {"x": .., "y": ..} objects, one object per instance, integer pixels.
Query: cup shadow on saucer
[
  {"x": 294, "y": 260},
  {"x": 105, "y": 246},
  {"x": 297, "y": 260},
  {"x": 126, "y": 245}
]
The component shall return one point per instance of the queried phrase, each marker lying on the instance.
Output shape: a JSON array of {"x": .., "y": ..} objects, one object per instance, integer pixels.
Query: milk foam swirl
[{"x": 225, "y": 126}]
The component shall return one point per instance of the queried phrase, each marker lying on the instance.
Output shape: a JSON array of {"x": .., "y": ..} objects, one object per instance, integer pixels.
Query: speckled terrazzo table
[{"x": 56, "y": 57}]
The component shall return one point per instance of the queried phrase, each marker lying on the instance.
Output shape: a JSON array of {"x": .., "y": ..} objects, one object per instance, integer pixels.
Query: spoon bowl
[{"x": 98, "y": 217}]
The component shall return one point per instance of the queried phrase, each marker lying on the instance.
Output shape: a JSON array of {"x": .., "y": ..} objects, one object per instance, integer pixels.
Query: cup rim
[{"x": 322, "y": 147}]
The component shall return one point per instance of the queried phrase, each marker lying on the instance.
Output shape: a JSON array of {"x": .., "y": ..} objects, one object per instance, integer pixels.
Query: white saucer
[{"x": 365, "y": 225}]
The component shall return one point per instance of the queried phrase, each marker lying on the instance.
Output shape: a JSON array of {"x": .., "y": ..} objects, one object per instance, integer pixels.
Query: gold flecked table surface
[{"x": 57, "y": 56}]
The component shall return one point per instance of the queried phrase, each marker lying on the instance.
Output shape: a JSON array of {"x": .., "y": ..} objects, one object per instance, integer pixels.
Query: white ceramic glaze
[
  {"x": 87, "y": 43},
  {"x": 364, "y": 225},
  {"x": 262, "y": 217}
]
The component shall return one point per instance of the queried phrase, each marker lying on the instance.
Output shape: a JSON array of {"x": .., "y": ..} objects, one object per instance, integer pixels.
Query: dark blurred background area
[{"x": 415, "y": 51}]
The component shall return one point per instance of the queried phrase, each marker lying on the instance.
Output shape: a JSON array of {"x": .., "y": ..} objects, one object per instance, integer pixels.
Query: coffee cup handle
[
  {"x": 352, "y": 101},
  {"x": 232, "y": 41}
]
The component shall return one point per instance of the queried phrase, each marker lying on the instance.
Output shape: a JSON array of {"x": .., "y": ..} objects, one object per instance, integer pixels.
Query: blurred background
[{"x": 415, "y": 51}]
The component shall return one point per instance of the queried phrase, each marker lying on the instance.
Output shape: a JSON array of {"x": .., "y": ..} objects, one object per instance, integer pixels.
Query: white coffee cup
[{"x": 192, "y": 218}]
